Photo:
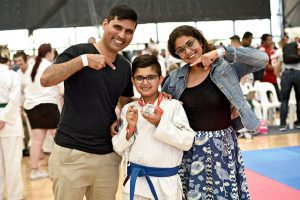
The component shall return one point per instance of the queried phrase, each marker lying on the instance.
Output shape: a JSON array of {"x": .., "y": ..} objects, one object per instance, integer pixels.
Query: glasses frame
[
  {"x": 188, "y": 45},
  {"x": 145, "y": 78}
]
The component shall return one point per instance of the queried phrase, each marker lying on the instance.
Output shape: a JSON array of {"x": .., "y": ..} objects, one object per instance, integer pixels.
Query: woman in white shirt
[{"x": 41, "y": 106}]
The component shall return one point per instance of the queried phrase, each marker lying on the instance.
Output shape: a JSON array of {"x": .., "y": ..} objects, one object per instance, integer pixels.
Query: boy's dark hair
[
  {"x": 122, "y": 12},
  {"x": 247, "y": 35},
  {"x": 265, "y": 36},
  {"x": 145, "y": 61},
  {"x": 21, "y": 54}
]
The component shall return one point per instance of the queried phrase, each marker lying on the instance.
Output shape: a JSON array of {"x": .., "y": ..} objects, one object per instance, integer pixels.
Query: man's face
[
  {"x": 269, "y": 41},
  {"x": 118, "y": 33},
  {"x": 20, "y": 62}
]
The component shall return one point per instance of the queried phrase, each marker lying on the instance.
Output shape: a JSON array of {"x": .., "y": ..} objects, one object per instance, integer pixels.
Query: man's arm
[{"x": 57, "y": 73}]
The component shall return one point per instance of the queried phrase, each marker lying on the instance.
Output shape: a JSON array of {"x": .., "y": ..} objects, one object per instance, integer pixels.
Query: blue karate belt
[{"x": 135, "y": 170}]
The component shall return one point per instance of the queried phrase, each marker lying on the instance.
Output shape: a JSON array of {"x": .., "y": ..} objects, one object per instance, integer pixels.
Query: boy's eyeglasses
[
  {"x": 140, "y": 79},
  {"x": 181, "y": 50}
]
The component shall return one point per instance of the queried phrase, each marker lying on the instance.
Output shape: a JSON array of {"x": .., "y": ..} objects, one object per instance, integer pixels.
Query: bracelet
[
  {"x": 130, "y": 130},
  {"x": 221, "y": 52},
  {"x": 84, "y": 60}
]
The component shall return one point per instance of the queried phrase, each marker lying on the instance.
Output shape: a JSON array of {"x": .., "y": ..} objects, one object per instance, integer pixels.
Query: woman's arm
[{"x": 249, "y": 60}]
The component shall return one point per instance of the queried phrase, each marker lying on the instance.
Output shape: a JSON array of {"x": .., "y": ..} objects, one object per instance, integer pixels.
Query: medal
[{"x": 148, "y": 109}]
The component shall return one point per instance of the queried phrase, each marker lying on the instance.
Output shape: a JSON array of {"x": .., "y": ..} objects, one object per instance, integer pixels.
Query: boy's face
[{"x": 146, "y": 80}]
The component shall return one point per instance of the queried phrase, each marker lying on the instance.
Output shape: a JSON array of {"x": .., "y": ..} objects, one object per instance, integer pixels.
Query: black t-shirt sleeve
[{"x": 68, "y": 54}]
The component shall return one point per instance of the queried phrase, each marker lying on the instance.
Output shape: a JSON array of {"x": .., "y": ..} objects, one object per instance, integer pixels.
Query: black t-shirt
[
  {"x": 89, "y": 102},
  {"x": 207, "y": 108}
]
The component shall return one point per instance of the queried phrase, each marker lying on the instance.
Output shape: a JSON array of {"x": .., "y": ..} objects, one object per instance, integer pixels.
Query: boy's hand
[
  {"x": 153, "y": 118},
  {"x": 132, "y": 116}
]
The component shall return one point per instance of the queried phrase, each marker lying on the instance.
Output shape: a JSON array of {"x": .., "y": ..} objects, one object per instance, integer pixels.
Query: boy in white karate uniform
[
  {"x": 155, "y": 135},
  {"x": 11, "y": 130}
]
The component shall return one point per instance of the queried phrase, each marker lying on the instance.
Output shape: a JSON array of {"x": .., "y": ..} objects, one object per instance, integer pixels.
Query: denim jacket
[{"x": 226, "y": 74}]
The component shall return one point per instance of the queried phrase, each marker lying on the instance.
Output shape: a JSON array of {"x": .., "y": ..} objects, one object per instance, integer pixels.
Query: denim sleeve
[
  {"x": 231, "y": 54},
  {"x": 164, "y": 87},
  {"x": 249, "y": 60}
]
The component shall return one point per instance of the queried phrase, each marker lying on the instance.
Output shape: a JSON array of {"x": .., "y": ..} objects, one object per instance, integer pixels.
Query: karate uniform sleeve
[
  {"x": 12, "y": 109},
  {"x": 175, "y": 129},
  {"x": 119, "y": 141}
]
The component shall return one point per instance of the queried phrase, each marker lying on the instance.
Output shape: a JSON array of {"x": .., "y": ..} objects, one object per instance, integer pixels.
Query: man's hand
[
  {"x": 2, "y": 124},
  {"x": 154, "y": 118},
  {"x": 113, "y": 128},
  {"x": 206, "y": 59},
  {"x": 98, "y": 61}
]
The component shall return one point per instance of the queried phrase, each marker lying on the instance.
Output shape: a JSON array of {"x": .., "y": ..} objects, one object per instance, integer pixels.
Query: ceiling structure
[{"x": 34, "y": 14}]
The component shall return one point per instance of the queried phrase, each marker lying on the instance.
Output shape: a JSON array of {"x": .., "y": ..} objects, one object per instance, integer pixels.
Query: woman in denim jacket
[{"x": 208, "y": 86}]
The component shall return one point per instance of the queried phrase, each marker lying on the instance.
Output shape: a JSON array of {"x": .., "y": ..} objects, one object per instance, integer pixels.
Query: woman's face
[{"x": 188, "y": 48}]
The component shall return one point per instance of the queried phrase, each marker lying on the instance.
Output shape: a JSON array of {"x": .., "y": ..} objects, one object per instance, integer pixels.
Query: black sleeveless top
[{"x": 207, "y": 108}]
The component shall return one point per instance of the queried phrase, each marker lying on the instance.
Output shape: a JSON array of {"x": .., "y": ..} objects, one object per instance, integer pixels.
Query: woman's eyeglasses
[{"x": 181, "y": 50}]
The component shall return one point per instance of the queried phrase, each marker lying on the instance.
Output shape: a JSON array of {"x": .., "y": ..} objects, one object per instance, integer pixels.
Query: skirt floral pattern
[{"x": 213, "y": 168}]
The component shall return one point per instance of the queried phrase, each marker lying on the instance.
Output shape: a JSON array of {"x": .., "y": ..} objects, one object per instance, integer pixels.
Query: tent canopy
[{"x": 34, "y": 14}]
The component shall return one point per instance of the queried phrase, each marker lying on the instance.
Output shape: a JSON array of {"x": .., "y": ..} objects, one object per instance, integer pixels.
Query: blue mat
[{"x": 280, "y": 164}]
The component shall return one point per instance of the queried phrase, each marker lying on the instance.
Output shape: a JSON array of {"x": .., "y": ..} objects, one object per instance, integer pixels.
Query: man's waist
[{"x": 101, "y": 146}]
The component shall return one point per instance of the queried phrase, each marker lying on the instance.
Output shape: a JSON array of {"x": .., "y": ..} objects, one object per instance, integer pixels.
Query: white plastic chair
[{"x": 268, "y": 104}]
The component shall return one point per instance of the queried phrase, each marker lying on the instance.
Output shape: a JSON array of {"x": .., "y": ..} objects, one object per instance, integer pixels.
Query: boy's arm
[
  {"x": 119, "y": 141},
  {"x": 176, "y": 131}
]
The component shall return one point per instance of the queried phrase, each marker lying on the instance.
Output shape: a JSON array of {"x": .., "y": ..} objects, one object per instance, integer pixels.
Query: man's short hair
[
  {"x": 21, "y": 54},
  {"x": 122, "y": 12},
  {"x": 265, "y": 36},
  {"x": 235, "y": 38},
  {"x": 247, "y": 35}
]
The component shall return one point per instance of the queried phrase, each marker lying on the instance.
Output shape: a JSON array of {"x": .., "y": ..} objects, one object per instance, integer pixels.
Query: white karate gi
[{"x": 160, "y": 146}]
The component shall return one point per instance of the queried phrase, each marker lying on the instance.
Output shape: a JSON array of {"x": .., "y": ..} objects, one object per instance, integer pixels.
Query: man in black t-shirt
[{"x": 95, "y": 77}]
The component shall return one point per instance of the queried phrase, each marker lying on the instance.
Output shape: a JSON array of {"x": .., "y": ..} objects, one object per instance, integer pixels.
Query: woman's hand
[{"x": 206, "y": 59}]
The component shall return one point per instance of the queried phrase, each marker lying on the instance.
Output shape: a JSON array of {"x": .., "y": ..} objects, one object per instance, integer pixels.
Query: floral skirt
[{"x": 213, "y": 168}]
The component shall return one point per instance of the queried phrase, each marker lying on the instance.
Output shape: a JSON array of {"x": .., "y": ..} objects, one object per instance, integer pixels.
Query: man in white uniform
[{"x": 11, "y": 130}]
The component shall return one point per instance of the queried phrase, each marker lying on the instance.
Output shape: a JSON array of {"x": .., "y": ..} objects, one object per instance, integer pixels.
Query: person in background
[
  {"x": 41, "y": 107},
  {"x": 268, "y": 74},
  {"x": 208, "y": 86},
  {"x": 11, "y": 130},
  {"x": 247, "y": 39},
  {"x": 92, "y": 40},
  {"x": 235, "y": 41}
]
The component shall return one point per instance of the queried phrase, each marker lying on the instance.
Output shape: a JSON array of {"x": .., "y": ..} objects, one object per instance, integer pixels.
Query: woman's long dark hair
[
  {"x": 186, "y": 30},
  {"x": 42, "y": 51}
]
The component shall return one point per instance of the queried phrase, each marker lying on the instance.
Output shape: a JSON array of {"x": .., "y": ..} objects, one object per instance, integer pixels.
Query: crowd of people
[{"x": 179, "y": 137}]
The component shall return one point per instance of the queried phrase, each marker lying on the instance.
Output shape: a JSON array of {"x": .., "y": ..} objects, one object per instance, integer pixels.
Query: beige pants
[
  {"x": 10, "y": 167},
  {"x": 76, "y": 173}
]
